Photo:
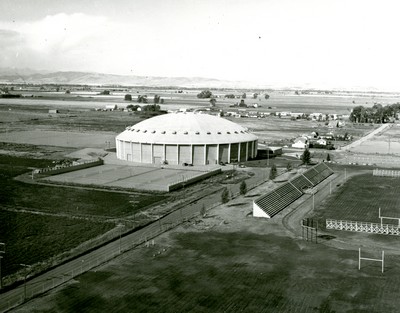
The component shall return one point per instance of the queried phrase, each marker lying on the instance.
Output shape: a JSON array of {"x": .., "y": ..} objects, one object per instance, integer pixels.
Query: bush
[
  {"x": 306, "y": 157},
  {"x": 205, "y": 94},
  {"x": 243, "y": 188},
  {"x": 273, "y": 173},
  {"x": 225, "y": 195}
]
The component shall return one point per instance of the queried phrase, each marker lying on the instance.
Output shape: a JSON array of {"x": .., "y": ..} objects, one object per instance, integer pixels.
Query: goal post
[{"x": 382, "y": 260}]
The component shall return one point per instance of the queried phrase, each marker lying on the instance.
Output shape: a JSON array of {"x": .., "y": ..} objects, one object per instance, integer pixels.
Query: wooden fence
[
  {"x": 363, "y": 227},
  {"x": 386, "y": 173}
]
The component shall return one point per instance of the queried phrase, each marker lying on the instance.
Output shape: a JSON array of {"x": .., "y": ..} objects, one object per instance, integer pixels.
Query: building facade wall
[{"x": 173, "y": 154}]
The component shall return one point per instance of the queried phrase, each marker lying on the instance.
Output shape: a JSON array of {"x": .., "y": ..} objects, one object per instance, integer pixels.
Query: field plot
[
  {"x": 360, "y": 198},
  {"x": 42, "y": 221},
  {"x": 130, "y": 176},
  {"x": 387, "y": 161},
  {"x": 239, "y": 271},
  {"x": 33, "y": 238},
  {"x": 387, "y": 142},
  {"x": 58, "y": 138}
]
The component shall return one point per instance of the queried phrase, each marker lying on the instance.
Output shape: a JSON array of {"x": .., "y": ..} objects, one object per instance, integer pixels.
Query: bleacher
[
  {"x": 276, "y": 200},
  {"x": 301, "y": 183},
  {"x": 318, "y": 173}
]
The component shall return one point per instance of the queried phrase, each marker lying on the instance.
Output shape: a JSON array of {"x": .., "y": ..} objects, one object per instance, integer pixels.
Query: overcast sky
[{"x": 321, "y": 42}]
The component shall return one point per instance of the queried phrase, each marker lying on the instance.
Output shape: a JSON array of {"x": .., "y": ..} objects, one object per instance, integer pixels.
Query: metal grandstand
[{"x": 273, "y": 202}]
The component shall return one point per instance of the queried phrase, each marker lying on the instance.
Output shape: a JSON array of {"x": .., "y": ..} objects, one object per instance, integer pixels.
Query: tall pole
[
  {"x": 1, "y": 277},
  {"x": 313, "y": 201},
  {"x": 2, "y": 251},
  {"x": 26, "y": 274}
]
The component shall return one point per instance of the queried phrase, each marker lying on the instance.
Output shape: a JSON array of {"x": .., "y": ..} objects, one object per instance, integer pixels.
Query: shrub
[
  {"x": 273, "y": 173},
  {"x": 225, "y": 195},
  {"x": 243, "y": 188}
]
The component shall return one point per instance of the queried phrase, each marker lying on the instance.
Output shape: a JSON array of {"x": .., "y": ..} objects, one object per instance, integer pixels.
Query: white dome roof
[{"x": 186, "y": 128}]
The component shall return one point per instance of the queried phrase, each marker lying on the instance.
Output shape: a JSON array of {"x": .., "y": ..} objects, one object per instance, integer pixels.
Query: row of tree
[
  {"x": 376, "y": 114},
  {"x": 143, "y": 99},
  {"x": 208, "y": 94}
]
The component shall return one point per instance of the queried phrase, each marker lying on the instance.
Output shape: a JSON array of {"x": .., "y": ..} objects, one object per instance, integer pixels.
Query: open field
[
  {"x": 279, "y": 100},
  {"x": 35, "y": 238},
  {"x": 230, "y": 262},
  {"x": 137, "y": 177},
  {"x": 51, "y": 219},
  {"x": 360, "y": 198},
  {"x": 78, "y": 116}
]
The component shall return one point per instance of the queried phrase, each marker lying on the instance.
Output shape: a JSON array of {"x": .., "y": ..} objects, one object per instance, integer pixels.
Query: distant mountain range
[{"x": 29, "y": 76}]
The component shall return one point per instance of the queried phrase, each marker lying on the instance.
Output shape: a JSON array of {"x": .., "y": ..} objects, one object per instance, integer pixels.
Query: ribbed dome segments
[{"x": 190, "y": 128}]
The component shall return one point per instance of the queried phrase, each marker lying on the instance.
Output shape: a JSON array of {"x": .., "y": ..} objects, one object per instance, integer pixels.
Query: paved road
[{"x": 73, "y": 268}]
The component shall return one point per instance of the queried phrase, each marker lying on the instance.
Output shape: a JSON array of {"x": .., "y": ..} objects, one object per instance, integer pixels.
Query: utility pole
[
  {"x": 2, "y": 251},
  {"x": 120, "y": 235},
  {"x": 26, "y": 274}
]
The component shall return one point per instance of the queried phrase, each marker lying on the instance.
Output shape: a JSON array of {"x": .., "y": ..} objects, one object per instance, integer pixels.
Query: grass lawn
[
  {"x": 230, "y": 272},
  {"x": 32, "y": 238},
  {"x": 64, "y": 200},
  {"x": 360, "y": 198}
]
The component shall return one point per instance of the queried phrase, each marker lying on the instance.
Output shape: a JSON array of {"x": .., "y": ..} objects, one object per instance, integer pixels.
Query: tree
[
  {"x": 255, "y": 95},
  {"x": 242, "y": 104},
  {"x": 225, "y": 195},
  {"x": 230, "y": 96},
  {"x": 244, "y": 95},
  {"x": 142, "y": 99},
  {"x": 306, "y": 157},
  {"x": 273, "y": 173},
  {"x": 128, "y": 97},
  {"x": 328, "y": 157},
  {"x": 156, "y": 99},
  {"x": 151, "y": 108},
  {"x": 289, "y": 166},
  {"x": 266, "y": 96},
  {"x": 205, "y": 94},
  {"x": 243, "y": 188},
  {"x": 133, "y": 107},
  {"x": 212, "y": 102}
]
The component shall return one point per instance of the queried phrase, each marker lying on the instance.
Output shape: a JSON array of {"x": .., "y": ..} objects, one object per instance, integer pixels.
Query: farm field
[
  {"x": 20, "y": 115},
  {"x": 360, "y": 198},
  {"x": 33, "y": 216},
  {"x": 36, "y": 239}
]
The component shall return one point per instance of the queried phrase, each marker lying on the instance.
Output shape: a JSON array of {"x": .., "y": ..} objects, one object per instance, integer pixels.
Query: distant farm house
[
  {"x": 111, "y": 107},
  {"x": 301, "y": 143},
  {"x": 53, "y": 111}
]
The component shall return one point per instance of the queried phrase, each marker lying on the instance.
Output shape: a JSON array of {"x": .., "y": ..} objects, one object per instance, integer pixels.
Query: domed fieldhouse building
[{"x": 191, "y": 138}]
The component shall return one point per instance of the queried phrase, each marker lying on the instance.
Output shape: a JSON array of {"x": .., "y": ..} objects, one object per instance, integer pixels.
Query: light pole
[
  {"x": 26, "y": 274},
  {"x": 119, "y": 226},
  {"x": 313, "y": 201},
  {"x": 2, "y": 251}
]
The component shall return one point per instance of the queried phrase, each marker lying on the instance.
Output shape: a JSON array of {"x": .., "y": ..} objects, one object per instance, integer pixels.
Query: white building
[
  {"x": 191, "y": 138},
  {"x": 301, "y": 143}
]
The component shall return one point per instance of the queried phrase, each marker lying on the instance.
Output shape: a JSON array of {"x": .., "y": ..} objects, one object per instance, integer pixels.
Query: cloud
[{"x": 62, "y": 32}]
